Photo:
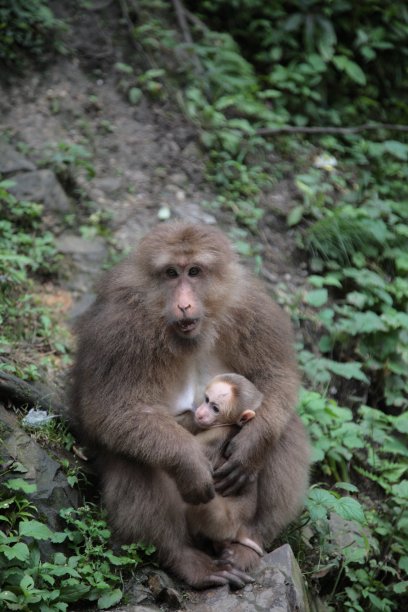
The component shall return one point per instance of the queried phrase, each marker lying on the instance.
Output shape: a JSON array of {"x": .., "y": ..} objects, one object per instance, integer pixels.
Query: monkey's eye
[
  {"x": 215, "y": 408},
  {"x": 194, "y": 271},
  {"x": 171, "y": 273},
  {"x": 206, "y": 399}
]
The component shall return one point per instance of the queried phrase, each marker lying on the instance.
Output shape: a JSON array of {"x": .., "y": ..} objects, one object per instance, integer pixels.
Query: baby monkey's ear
[{"x": 247, "y": 415}]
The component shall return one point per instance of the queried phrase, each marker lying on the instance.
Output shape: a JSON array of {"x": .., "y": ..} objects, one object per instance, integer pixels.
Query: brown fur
[{"x": 135, "y": 369}]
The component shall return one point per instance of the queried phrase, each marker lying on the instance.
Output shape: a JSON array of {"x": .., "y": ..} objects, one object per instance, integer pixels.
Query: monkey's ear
[{"x": 247, "y": 415}]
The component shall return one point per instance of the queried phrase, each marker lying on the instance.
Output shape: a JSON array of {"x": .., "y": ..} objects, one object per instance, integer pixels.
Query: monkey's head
[
  {"x": 230, "y": 399},
  {"x": 189, "y": 272}
]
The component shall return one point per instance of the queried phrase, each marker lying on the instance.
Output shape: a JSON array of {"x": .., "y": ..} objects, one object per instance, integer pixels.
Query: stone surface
[
  {"x": 41, "y": 186},
  {"x": 53, "y": 491},
  {"x": 278, "y": 587},
  {"x": 12, "y": 161}
]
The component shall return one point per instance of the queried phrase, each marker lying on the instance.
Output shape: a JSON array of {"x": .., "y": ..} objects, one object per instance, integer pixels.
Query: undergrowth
[{"x": 88, "y": 569}]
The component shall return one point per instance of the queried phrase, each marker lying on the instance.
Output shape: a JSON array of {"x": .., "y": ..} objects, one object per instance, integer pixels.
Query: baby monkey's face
[{"x": 217, "y": 406}]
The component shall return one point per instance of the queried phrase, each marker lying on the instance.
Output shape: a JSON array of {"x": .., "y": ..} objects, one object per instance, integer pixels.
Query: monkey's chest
[{"x": 189, "y": 391}]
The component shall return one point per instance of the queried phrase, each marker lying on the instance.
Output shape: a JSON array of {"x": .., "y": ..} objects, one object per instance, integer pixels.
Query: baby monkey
[{"x": 230, "y": 401}]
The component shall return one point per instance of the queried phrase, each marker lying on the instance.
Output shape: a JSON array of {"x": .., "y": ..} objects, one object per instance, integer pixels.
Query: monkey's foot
[
  {"x": 202, "y": 572},
  {"x": 241, "y": 555}
]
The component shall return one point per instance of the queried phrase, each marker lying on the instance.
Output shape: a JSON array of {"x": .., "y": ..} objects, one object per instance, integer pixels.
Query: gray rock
[
  {"x": 12, "y": 161},
  {"x": 41, "y": 186},
  {"x": 278, "y": 587},
  {"x": 91, "y": 248},
  {"x": 109, "y": 184},
  {"x": 190, "y": 211},
  {"x": 86, "y": 257},
  {"x": 53, "y": 492}
]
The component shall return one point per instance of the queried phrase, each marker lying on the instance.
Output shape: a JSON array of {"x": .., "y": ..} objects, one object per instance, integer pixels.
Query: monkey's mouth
[{"x": 186, "y": 326}]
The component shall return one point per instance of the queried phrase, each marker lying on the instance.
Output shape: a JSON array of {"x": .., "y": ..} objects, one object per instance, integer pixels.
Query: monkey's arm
[{"x": 264, "y": 354}]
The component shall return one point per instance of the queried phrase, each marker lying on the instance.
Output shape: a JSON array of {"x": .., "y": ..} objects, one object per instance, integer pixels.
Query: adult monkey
[{"x": 176, "y": 312}]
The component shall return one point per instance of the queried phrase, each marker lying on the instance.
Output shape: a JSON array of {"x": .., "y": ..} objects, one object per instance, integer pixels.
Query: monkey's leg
[
  {"x": 144, "y": 504},
  {"x": 282, "y": 486}
]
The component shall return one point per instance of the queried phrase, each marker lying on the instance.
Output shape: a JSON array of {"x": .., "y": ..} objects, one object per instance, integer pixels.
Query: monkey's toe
[{"x": 240, "y": 556}]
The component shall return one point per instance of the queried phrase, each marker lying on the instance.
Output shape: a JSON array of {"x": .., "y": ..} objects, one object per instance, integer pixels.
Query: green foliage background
[{"x": 253, "y": 68}]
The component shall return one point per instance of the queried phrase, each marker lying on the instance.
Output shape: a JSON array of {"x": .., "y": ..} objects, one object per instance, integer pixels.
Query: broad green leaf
[
  {"x": 317, "y": 298},
  {"x": 135, "y": 95},
  {"x": 352, "y": 69},
  {"x": 400, "y": 490},
  {"x": 35, "y": 529},
  {"x": 350, "y": 509},
  {"x": 403, "y": 563},
  {"x": 401, "y": 587},
  {"x": 347, "y": 370},
  {"x": 109, "y": 599},
  {"x": 19, "y": 484},
  {"x": 401, "y": 423},
  {"x": 295, "y": 216},
  {"x": 19, "y": 551},
  {"x": 397, "y": 149}
]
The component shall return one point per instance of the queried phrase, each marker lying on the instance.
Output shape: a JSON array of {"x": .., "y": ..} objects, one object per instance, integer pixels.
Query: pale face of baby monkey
[{"x": 230, "y": 399}]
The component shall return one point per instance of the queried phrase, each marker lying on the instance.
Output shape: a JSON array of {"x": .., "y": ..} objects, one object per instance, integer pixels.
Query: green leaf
[
  {"x": 401, "y": 423},
  {"x": 11, "y": 597},
  {"x": 352, "y": 69},
  {"x": 35, "y": 529},
  {"x": 19, "y": 484},
  {"x": 400, "y": 490},
  {"x": 109, "y": 599},
  {"x": 347, "y": 370},
  {"x": 135, "y": 95},
  {"x": 19, "y": 551},
  {"x": 317, "y": 298},
  {"x": 350, "y": 509},
  {"x": 401, "y": 587},
  {"x": 295, "y": 216},
  {"x": 347, "y": 486},
  {"x": 397, "y": 149}
]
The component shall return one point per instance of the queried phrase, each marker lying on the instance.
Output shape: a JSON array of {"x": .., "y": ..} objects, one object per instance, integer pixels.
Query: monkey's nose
[{"x": 184, "y": 308}]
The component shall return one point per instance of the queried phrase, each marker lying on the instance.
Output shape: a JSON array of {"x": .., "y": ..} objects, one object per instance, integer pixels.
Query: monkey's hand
[
  {"x": 234, "y": 474},
  {"x": 195, "y": 482}
]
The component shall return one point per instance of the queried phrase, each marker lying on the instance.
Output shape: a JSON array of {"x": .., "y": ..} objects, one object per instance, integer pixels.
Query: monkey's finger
[
  {"x": 214, "y": 580},
  {"x": 236, "y": 578},
  {"x": 236, "y": 486},
  {"x": 226, "y": 469},
  {"x": 232, "y": 483}
]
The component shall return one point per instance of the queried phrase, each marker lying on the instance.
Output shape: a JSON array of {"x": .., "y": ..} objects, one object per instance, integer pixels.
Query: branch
[
  {"x": 181, "y": 18},
  {"x": 14, "y": 389},
  {"x": 292, "y": 129}
]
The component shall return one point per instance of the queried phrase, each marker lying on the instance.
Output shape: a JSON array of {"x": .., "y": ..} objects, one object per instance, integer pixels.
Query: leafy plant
[
  {"x": 372, "y": 568},
  {"x": 88, "y": 570},
  {"x": 27, "y": 28}
]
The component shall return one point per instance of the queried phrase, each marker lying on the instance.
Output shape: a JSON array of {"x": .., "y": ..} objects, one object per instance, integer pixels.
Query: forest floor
[{"x": 144, "y": 162}]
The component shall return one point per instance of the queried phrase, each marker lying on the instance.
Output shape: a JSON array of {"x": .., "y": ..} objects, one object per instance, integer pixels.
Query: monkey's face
[
  {"x": 184, "y": 287},
  {"x": 217, "y": 406},
  {"x": 189, "y": 279}
]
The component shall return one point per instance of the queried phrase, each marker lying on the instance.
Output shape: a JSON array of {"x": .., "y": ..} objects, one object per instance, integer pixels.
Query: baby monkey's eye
[
  {"x": 215, "y": 408},
  {"x": 206, "y": 399}
]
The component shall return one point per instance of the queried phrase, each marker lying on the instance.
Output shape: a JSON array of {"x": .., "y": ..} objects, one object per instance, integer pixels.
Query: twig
[
  {"x": 196, "y": 21},
  {"x": 288, "y": 129},
  {"x": 17, "y": 390},
  {"x": 181, "y": 18}
]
